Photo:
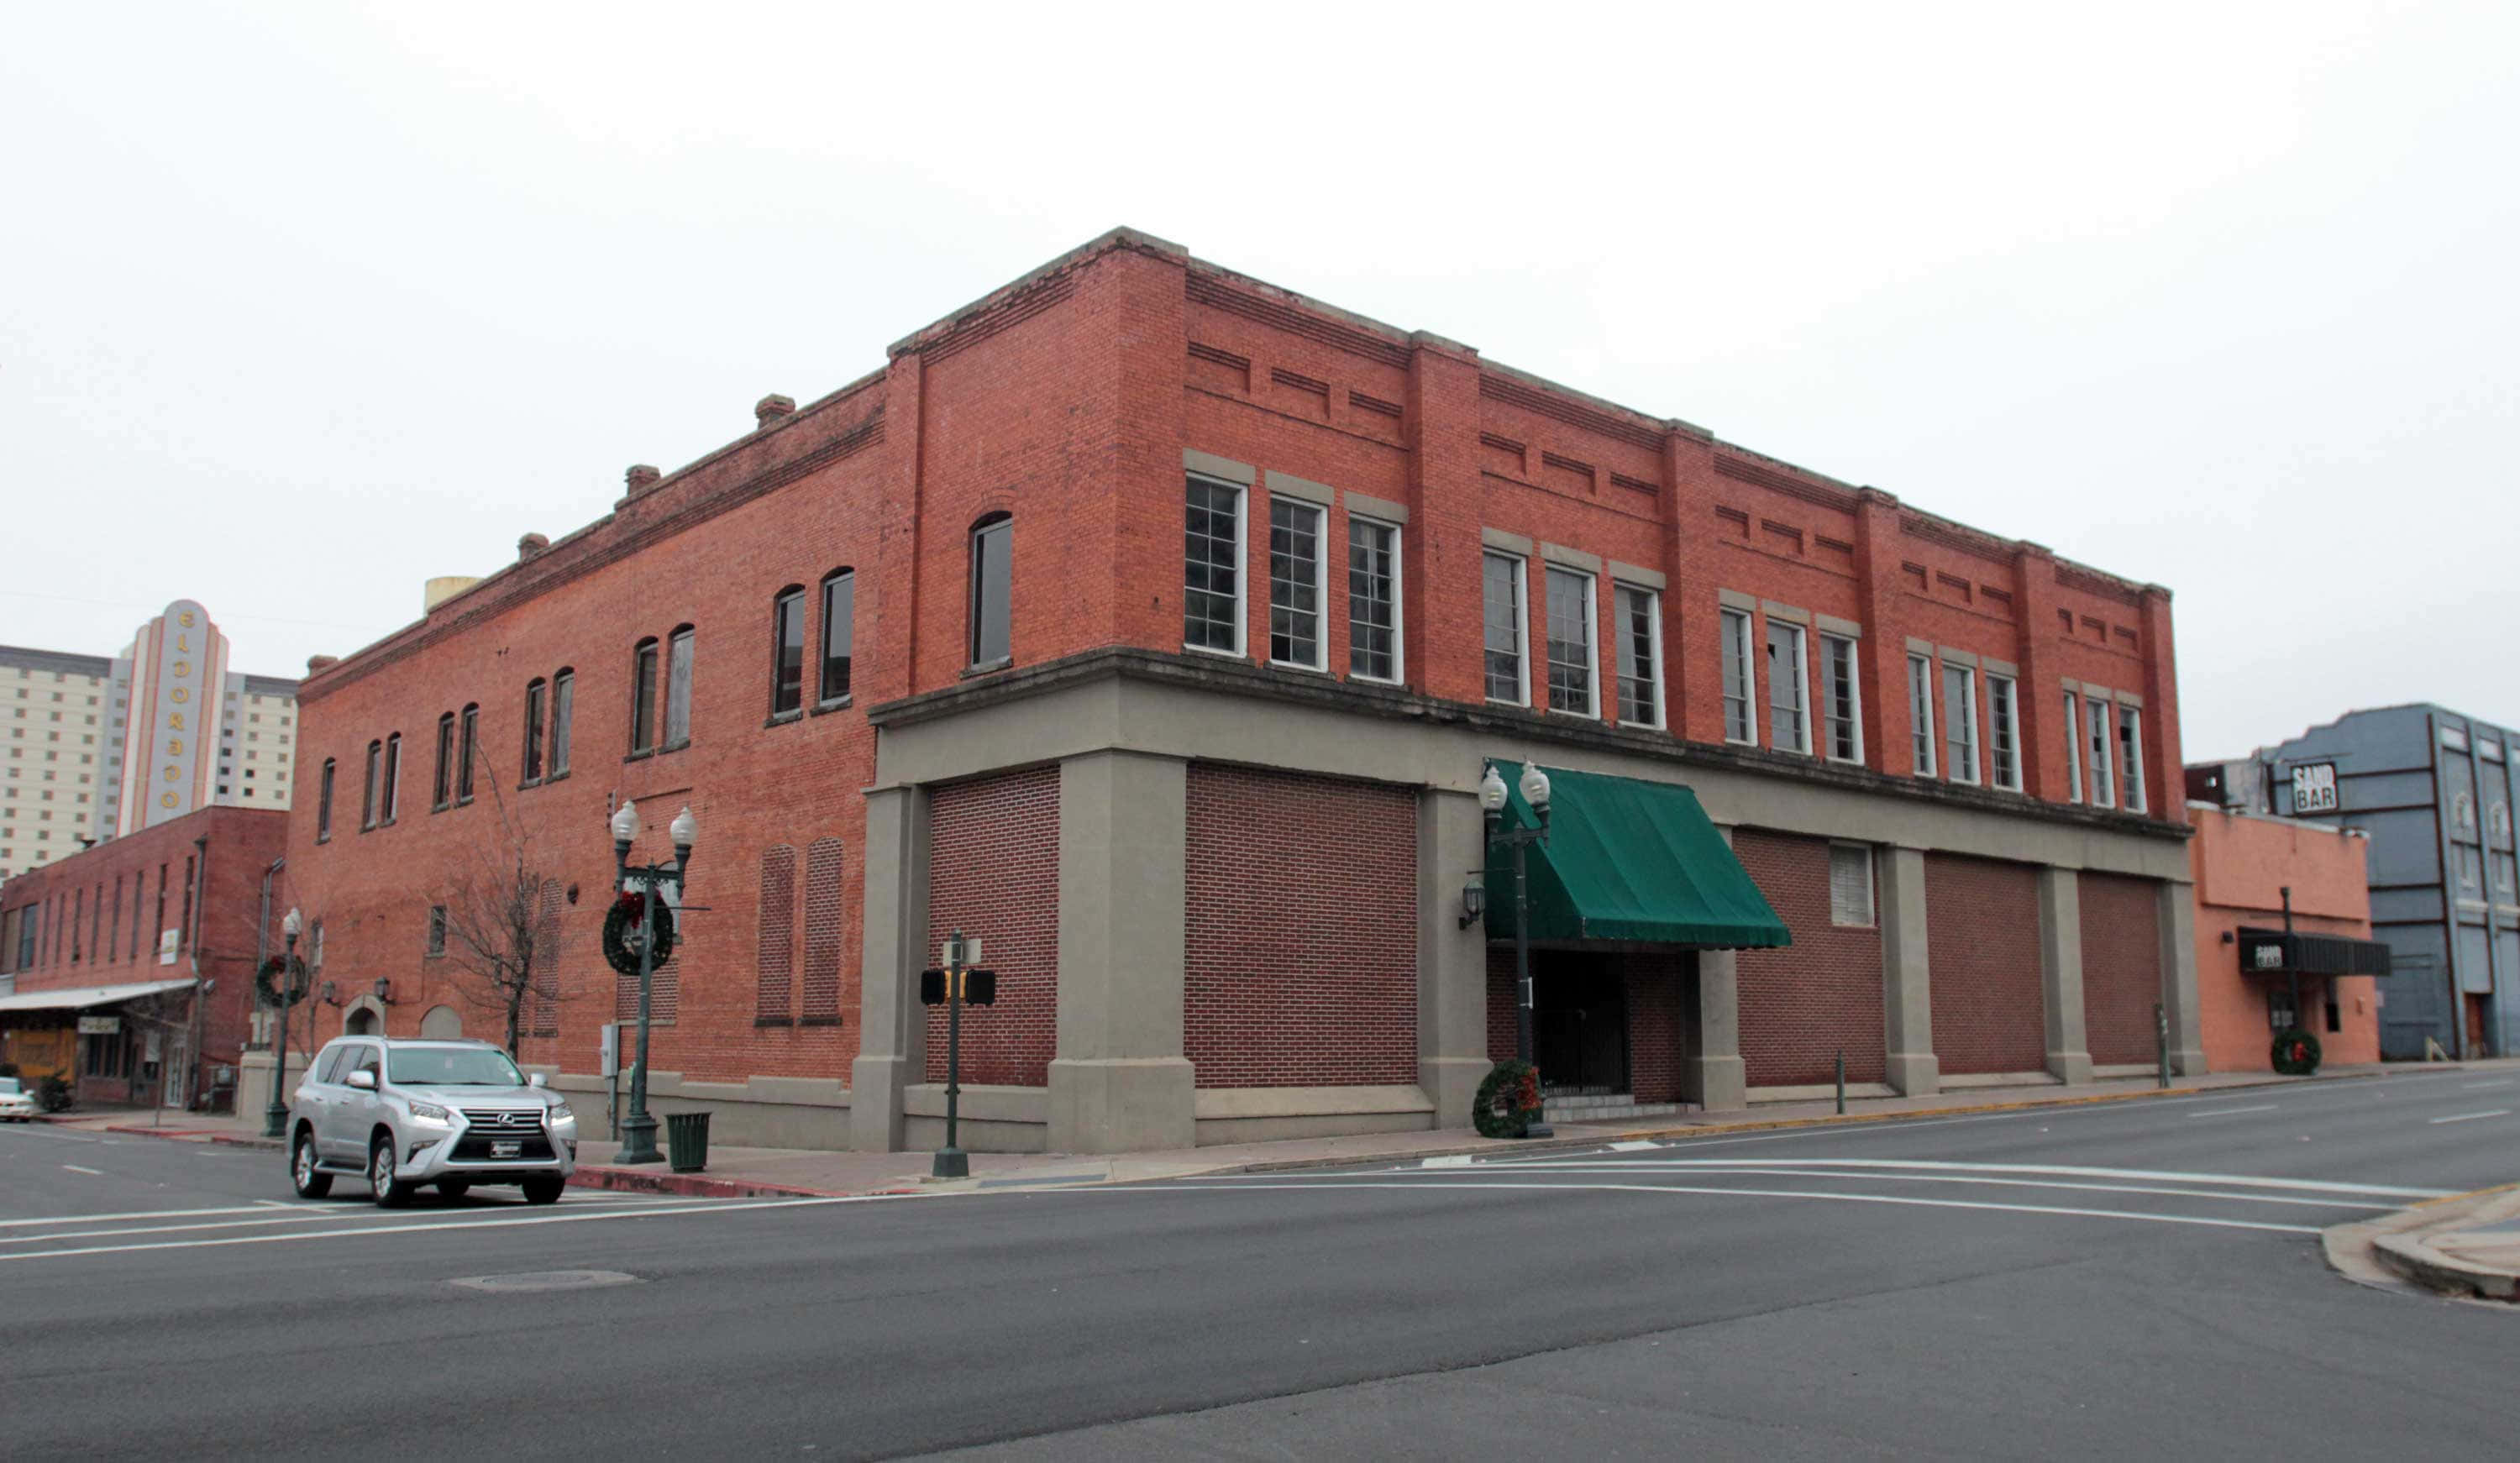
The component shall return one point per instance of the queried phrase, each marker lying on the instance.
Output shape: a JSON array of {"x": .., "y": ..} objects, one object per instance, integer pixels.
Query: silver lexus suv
[{"x": 404, "y": 1113}]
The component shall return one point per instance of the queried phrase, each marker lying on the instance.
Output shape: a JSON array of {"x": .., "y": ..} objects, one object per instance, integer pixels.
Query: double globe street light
[
  {"x": 1534, "y": 786},
  {"x": 639, "y": 1128}
]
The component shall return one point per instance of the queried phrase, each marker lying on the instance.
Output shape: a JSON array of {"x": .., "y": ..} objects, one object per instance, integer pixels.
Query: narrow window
[
  {"x": 678, "y": 687},
  {"x": 1639, "y": 626},
  {"x": 367, "y": 799},
  {"x": 2097, "y": 739},
  {"x": 642, "y": 696},
  {"x": 1740, "y": 717},
  {"x": 1959, "y": 722},
  {"x": 2073, "y": 749},
  {"x": 113, "y": 931},
  {"x": 1570, "y": 643},
  {"x": 78, "y": 913},
  {"x": 324, "y": 804},
  {"x": 2004, "y": 728},
  {"x": 993, "y": 591},
  {"x": 787, "y": 651},
  {"x": 1841, "y": 699},
  {"x": 564, "y": 699},
  {"x": 535, "y": 692},
  {"x": 1295, "y": 583},
  {"x": 1501, "y": 584},
  {"x": 2468, "y": 877},
  {"x": 442, "y": 786},
  {"x": 1920, "y": 712},
  {"x": 1850, "y": 884},
  {"x": 436, "y": 930},
  {"x": 839, "y": 633},
  {"x": 1788, "y": 693},
  {"x": 468, "y": 754},
  {"x": 391, "y": 785},
  {"x": 188, "y": 903},
  {"x": 2131, "y": 754},
  {"x": 1373, "y": 600},
  {"x": 1212, "y": 566}
]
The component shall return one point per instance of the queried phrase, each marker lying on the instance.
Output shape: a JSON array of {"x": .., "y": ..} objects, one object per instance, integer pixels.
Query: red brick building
[
  {"x": 121, "y": 935},
  {"x": 1038, "y": 633}
]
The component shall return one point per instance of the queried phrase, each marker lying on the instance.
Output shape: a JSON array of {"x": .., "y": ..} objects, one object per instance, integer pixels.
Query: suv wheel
[
  {"x": 389, "y": 1193},
  {"x": 544, "y": 1188},
  {"x": 302, "y": 1174}
]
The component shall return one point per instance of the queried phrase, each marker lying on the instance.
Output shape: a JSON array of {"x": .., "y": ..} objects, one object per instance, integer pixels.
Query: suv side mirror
[
  {"x": 536, "y": 1081},
  {"x": 363, "y": 1079}
]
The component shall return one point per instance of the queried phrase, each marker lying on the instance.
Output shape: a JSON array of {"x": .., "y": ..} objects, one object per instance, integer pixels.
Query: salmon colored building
[{"x": 2244, "y": 865}]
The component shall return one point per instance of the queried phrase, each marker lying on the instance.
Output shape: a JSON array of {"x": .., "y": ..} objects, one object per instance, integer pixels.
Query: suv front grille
[{"x": 523, "y": 1127}]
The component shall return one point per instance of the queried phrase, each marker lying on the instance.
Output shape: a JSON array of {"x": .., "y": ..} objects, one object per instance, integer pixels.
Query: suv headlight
[
  {"x": 557, "y": 1113},
  {"x": 429, "y": 1112}
]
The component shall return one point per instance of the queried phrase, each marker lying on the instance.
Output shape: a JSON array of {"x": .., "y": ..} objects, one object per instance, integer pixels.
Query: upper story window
[
  {"x": 993, "y": 583},
  {"x": 389, "y": 784},
  {"x": 1637, "y": 624},
  {"x": 1789, "y": 677},
  {"x": 1571, "y": 669},
  {"x": 467, "y": 753},
  {"x": 678, "y": 687},
  {"x": 642, "y": 696},
  {"x": 1212, "y": 565},
  {"x": 1508, "y": 634},
  {"x": 2003, "y": 730},
  {"x": 324, "y": 803},
  {"x": 840, "y": 632},
  {"x": 2073, "y": 749},
  {"x": 2096, "y": 742},
  {"x": 787, "y": 651},
  {"x": 1740, "y": 678},
  {"x": 564, "y": 706},
  {"x": 368, "y": 798},
  {"x": 442, "y": 786},
  {"x": 1920, "y": 712},
  {"x": 1959, "y": 723},
  {"x": 2131, "y": 754},
  {"x": 1295, "y": 583},
  {"x": 535, "y": 694},
  {"x": 1373, "y": 600},
  {"x": 1841, "y": 701}
]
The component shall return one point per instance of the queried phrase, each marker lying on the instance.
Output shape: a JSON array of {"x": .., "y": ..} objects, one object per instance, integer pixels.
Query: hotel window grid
[
  {"x": 1959, "y": 722},
  {"x": 564, "y": 704},
  {"x": 839, "y": 633},
  {"x": 678, "y": 687},
  {"x": 2096, "y": 740},
  {"x": 1841, "y": 699},
  {"x": 467, "y": 753},
  {"x": 2131, "y": 754},
  {"x": 442, "y": 786},
  {"x": 1212, "y": 565},
  {"x": 2003, "y": 730},
  {"x": 2073, "y": 749},
  {"x": 787, "y": 651},
  {"x": 1920, "y": 712},
  {"x": 1570, "y": 643},
  {"x": 1740, "y": 683},
  {"x": 1505, "y": 630},
  {"x": 1373, "y": 600},
  {"x": 1637, "y": 624},
  {"x": 1295, "y": 583},
  {"x": 535, "y": 692},
  {"x": 642, "y": 696},
  {"x": 1788, "y": 689},
  {"x": 992, "y": 597}
]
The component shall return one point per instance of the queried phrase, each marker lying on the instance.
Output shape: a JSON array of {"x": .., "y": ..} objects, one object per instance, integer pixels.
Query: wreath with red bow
[
  {"x": 265, "y": 979},
  {"x": 2296, "y": 1053},
  {"x": 1508, "y": 1101},
  {"x": 620, "y": 931}
]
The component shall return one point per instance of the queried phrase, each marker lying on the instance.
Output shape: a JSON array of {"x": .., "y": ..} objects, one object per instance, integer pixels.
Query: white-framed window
[
  {"x": 1572, "y": 669},
  {"x": 2096, "y": 737},
  {"x": 1841, "y": 701},
  {"x": 1507, "y": 630},
  {"x": 2003, "y": 730},
  {"x": 1959, "y": 723},
  {"x": 1850, "y": 884},
  {"x": 2073, "y": 749},
  {"x": 1920, "y": 712},
  {"x": 1740, "y": 682},
  {"x": 1788, "y": 689},
  {"x": 2131, "y": 754},
  {"x": 1638, "y": 625},
  {"x": 1295, "y": 590},
  {"x": 1372, "y": 600},
  {"x": 1212, "y": 565}
]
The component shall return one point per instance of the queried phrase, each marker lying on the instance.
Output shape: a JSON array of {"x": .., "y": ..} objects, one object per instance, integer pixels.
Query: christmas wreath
[
  {"x": 1507, "y": 1100},
  {"x": 264, "y": 981},
  {"x": 2296, "y": 1053},
  {"x": 620, "y": 931}
]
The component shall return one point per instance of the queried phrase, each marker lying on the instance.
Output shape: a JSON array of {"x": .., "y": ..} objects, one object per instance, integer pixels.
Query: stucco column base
[
  {"x": 2071, "y": 1068},
  {"x": 1123, "y": 1104},
  {"x": 878, "y": 1092},
  {"x": 1915, "y": 1074},
  {"x": 1720, "y": 1083},
  {"x": 1452, "y": 1084},
  {"x": 2188, "y": 1063}
]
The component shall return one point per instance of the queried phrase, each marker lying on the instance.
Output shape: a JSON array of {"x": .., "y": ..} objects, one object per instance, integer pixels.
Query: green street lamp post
[
  {"x": 1534, "y": 786},
  {"x": 275, "y": 1116},
  {"x": 639, "y": 1128}
]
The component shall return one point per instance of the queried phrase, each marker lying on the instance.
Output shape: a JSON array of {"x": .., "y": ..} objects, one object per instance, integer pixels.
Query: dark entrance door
[
  {"x": 1579, "y": 1022},
  {"x": 2477, "y": 1044}
]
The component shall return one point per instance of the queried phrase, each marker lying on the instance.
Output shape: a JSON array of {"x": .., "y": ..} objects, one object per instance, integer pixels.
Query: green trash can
[{"x": 686, "y": 1141}]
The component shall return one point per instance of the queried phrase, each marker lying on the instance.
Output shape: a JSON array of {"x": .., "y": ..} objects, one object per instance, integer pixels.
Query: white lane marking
[
  {"x": 268, "y": 1218},
  {"x": 731, "y": 1206},
  {"x": 76, "y": 1168},
  {"x": 1447, "y": 1161},
  {"x": 2498, "y": 1082},
  {"x": 2231, "y": 1112},
  {"x": 2060, "y": 1170},
  {"x": 261, "y": 1207},
  {"x": 1476, "y": 1185},
  {"x": 2500, "y": 1112},
  {"x": 2045, "y": 1184},
  {"x": 1635, "y": 1145}
]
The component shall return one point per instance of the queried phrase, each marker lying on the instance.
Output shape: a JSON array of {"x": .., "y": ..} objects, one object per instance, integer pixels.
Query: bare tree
[{"x": 502, "y": 927}]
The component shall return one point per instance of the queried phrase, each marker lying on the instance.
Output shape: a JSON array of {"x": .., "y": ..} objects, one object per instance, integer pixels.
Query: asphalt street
[{"x": 2067, "y": 1283}]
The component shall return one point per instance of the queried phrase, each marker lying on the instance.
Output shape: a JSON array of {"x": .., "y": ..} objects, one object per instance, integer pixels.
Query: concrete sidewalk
[
  {"x": 2465, "y": 1244},
  {"x": 737, "y": 1173}
]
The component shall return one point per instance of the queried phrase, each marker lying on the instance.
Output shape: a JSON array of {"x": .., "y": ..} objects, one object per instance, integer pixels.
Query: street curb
[
  {"x": 2397, "y": 1246},
  {"x": 194, "y": 1135},
  {"x": 698, "y": 1186}
]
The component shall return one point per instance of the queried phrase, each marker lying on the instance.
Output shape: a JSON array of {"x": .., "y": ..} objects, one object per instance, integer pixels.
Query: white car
[{"x": 16, "y": 1104}]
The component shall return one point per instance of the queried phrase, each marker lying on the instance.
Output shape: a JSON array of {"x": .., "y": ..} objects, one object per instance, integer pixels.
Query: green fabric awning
[{"x": 1627, "y": 860}]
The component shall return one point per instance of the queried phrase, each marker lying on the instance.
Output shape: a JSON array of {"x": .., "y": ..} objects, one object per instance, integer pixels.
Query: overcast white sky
[{"x": 303, "y": 304}]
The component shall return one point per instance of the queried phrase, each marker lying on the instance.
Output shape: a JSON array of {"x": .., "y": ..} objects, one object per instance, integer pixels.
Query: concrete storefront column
[
  {"x": 1120, "y": 1082},
  {"x": 893, "y": 1033},
  {"x": 2177, "y": 924},
  {"x": 1452, "y": 961},
  {"x": 2060, "y": 972},
  {"x": 1716, "y": 1077},
  {"x": 1906, "y": 975}
]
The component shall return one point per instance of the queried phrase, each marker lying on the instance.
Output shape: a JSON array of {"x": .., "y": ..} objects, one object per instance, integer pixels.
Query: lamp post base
[
  {"x": 639, "y": 1140},
  {"x": 951, "y": 1163},
  {"x": 275, "y": 1120}
]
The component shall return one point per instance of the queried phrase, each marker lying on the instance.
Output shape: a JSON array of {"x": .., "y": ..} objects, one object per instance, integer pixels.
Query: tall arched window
[
  {"x": 642, "y": 696},
  {"x": 368, "y": 798},
  {"x": 563, "y": 703},
  {"x": 839, "y": 633},
  {"x": 324, "y": 804},
  {"x": 469, "y": 753},
  {"x": 787, "y": 651},
  {"x": 678, "y": 687},
  {"x": 443, "y": 786},
  {"x": 390, "y": 783},
  {"x": 992, "y": 590},
  {"x": 533, "y": 758}
]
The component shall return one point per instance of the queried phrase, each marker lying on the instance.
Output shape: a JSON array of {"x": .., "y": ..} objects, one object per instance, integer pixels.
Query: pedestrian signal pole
[{"x": 950, "y": 985}]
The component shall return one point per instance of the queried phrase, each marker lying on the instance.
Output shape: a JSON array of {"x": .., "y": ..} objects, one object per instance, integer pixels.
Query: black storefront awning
[{"x": 2274, "y": 953}]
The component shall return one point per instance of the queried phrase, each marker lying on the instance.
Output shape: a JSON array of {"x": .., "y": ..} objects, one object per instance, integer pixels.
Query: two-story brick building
[{"x": 1157, "y": 625}]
